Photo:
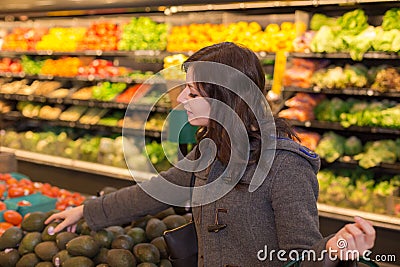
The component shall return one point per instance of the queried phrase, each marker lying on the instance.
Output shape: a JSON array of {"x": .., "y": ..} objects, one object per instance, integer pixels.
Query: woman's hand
[
  {"x": 352, "y": 241},
  {"x": 70, "y": 217}
]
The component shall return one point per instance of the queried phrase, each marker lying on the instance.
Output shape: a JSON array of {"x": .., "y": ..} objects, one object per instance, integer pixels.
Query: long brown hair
[{"x": 247, "y": 62}]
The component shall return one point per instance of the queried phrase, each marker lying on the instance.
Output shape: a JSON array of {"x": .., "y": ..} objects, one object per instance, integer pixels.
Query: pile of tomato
[{"x": 11, "y": 187}]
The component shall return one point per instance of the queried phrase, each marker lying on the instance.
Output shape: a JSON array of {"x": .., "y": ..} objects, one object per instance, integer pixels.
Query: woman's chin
[{"x": 198, "y": 121}]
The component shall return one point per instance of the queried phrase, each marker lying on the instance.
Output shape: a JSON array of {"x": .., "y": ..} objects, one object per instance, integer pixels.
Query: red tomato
[
  {"x": 2, "y": 206},
  {"x": 15, "y": 192},
  {"x": 4, "y": 226},
  {"x": 12, "y": 217}
]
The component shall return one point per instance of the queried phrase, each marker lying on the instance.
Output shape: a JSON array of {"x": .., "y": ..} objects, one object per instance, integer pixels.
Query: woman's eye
[{"x": 193, "y": 95}]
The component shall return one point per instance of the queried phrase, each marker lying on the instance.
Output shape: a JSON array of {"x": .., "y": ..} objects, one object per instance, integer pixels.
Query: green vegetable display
[
  {"x": 352, "y": 33},
  {"x": 352, "y": 146},
  {"x": 382, "y": 151},
  {"x": 143, "y": 34},
  {"x": 160, "y": 154},
  {"x": 31, "y": 66},
  {"x": 359, "y": 189},
  {"x": 341, "y": 78},
  {"x": 330, "y": 147},
  {"x": 391, "y": 19},
  {"x": 360, "y": 113},
  {"x": 330, "y": 110},
  {"x": 318, "y": 20},
  {"x": 107, "y": 91}
]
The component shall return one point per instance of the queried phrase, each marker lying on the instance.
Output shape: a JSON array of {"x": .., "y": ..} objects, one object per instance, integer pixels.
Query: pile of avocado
[{"x": 139, "y": 244}]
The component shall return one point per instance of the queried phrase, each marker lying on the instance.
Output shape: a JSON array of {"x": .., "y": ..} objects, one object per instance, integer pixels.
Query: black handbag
[{"x": 182, "y": 241}]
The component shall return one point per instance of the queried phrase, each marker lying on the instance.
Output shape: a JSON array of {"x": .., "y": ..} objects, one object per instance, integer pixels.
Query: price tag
[{"x": 279, "y": 70}]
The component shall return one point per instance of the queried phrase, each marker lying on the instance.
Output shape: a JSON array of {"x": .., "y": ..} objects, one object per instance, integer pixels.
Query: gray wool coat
[{"x": 280, "y": 215}]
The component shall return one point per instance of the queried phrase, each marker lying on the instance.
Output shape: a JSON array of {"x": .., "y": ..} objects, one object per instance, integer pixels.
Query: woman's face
[{"x": 196, "y": 106}]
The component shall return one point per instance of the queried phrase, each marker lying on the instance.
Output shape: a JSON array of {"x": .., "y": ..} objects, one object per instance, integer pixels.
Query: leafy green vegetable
[
  {"x": 377, "y": 152},
  {"x": 318, "y": 20},
  {"x": 330, "y": 147},
  {"x": 353, "y": 22},
  {"x": 391, "y": 19},
  {"x": 352, "y": 146}
]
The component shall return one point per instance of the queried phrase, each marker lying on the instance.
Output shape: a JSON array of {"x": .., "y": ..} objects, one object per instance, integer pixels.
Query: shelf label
[{"x": 279, "y": 70}]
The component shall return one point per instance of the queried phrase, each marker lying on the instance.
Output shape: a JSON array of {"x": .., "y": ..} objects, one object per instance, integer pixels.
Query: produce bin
[{"x": 39, "y": 203}]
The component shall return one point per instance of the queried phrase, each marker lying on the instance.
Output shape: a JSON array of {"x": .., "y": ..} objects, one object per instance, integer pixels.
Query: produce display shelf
[
  {"x": 348, "y": 162},
  {"x": 347, "y": 214},
  {"x": 327, "y": 125},
  {"x": 89, "y": 103},
  {"x": 346, "y": 91},
  {"x": 78, "y": 165},
  {"x": 346, "y": 55},
  {"x": 74, "y": 124},
  {"x": 90, "y": 78},
  {"x": 151, "y": 54}
]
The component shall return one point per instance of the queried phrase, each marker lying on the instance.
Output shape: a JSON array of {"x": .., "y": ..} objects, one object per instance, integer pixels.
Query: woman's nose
[{"x": 182, "y": 97}]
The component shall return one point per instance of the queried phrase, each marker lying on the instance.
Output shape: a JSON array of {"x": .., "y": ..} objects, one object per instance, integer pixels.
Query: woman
[{"x": 263, "y": 225}]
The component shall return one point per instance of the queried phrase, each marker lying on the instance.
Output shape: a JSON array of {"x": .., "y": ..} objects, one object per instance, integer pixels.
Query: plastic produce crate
[
  {"x": 19, "y": 176},
  {"x": 39, "y": 203}
]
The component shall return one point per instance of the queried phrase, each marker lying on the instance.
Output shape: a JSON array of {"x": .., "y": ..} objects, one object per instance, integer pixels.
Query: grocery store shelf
[
  {"x": 345, "y": 55},
  {"x": 346, "y": 91},
  {"x": 89, "y": 103},
  {"x": 380, "y": 220},
  {"x": 348, "y": 162},
  {"x": 90, "y": 78},
  {"x": 74, "y": 124},
  {"x": 78, "y": 165},
  {"x": 151, "y": 54},
  {"x": 327, "y": 125}
]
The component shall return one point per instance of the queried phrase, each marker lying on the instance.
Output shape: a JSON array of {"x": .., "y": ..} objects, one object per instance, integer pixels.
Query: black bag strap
[{"x": 192, "y": 182}]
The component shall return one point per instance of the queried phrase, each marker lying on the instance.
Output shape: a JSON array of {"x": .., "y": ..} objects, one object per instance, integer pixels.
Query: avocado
[
  {"x": 28, "y": 260},
  {"x": 138, "y": 235},
  {"x": 11, "y": 238},
  {"x": 63, "y": 238},
  {"x": 101, "y": 257},
  {"x": 29, "y": 242},
  {"x": 127, "y": 228},
  {"x": 147, "y": 264},
  {"x": 174, "y": 221},
  {"x": 104, "y": 238},
  {"x": 44, "y": 264},
  {"x": 123, "y": 241},
  {"x": 9, "y": 258},
  {"x": 82, "y": 228},
  {"x": 120, "y": 258},
  {"x": 61, "y": 257},
  {"x": 84, "y": 245},
  {"x": 165, "y": 263},
  {"x": 159, "y": 242},
  {"x": 146, "y": 252},
  {"x": 141, "y": 222},
  {"x": 188, "y": 217},
  {"x": 34, "y": 222},
  {"x": 116, "y": 230},
  {"x": 46, "y": 236},
  {"x": 155, "y": 228},
  {"x": 162, "y": 214},
  {"x": 79, "y": 261},
  {"x": 46, "y": 250}
]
